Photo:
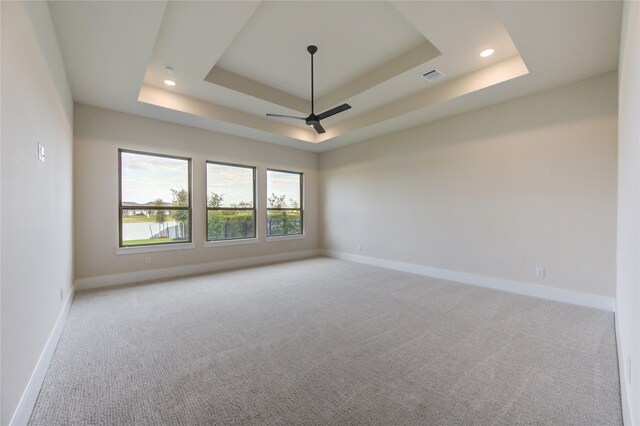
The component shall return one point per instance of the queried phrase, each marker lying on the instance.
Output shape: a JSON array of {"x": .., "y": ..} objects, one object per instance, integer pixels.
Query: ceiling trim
[
  {"x": 494, "y": 74},
  {"x": 396, "y": 66},
  {"x": 390, "y": 69},
  {"x": 171, "y": 100},
  {"x": 252, "y": 88}
]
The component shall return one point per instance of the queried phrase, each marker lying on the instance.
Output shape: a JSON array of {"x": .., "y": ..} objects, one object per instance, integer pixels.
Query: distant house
[{"x": 134, "y": 211}]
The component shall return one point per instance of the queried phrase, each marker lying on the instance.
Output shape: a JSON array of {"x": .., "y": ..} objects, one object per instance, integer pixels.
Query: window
[
  {"x": 155, "y": 199},
  {"x": 284, "y": 203},
  {"x": 231, "y": 202}
]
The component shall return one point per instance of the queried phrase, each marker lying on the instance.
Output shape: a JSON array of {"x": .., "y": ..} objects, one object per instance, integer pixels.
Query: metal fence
[
  {"x": 229, "y": 230},
  {"x": 177, "y": 232},
  {"x": 233, "y": 230},
  {"x": 283, "y": 226}
]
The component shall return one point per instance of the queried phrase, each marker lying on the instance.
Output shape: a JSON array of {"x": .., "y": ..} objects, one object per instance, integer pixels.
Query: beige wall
[
  {"x": 98, "y": 135},
  {"x": 36, "y": 224},
  {"x": 628, "y": 285},
  {"x": 496, "y": 192}
]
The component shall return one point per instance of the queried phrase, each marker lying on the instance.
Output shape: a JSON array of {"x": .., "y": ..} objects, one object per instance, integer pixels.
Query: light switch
[{"x": 40, "y": 152}]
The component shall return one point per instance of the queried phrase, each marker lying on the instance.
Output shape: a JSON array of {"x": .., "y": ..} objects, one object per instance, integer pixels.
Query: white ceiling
[
  {"x": 353, "y": 36},
  {"x": 235, "y": 61}
]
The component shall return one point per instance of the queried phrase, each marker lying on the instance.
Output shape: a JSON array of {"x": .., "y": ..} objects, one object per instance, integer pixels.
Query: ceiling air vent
[{"x": 432, "y": 75}]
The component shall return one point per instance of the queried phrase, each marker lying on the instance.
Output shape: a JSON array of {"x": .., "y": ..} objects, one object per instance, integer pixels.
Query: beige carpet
[{"x": 324, "y": 341}]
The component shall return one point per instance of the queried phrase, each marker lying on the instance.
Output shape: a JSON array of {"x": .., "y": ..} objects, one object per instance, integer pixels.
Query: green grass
[{"x": 147, "y": 241}]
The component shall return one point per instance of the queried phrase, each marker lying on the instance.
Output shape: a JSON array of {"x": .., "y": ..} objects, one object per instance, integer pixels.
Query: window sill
[
  {"x": 237, "y": 242},
  {"x": 151, "y": 249},
  {"x": 285, "y": 238}
]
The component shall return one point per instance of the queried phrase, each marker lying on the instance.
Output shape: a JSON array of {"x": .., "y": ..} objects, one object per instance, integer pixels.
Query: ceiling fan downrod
[{"x": 313, "y": 120}]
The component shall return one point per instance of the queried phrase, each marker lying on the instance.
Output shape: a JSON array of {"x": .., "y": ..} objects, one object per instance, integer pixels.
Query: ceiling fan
[{"x": 313, "y": 120}]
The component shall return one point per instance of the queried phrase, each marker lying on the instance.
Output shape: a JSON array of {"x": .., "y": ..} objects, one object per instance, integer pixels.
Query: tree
[
  {"x": 276, "y": 201},
  {"x": 215, "y": 220},
  {"x": 181, "y": 199},
  {"x": 215, "y": 200},
  {"x": 279, "y": 222},
  {"x": 161, "y": 215},
  {"x": 243, "y": 205},
  {"x": 242, "y": 220},
  {"x": 243, "y": 215}
]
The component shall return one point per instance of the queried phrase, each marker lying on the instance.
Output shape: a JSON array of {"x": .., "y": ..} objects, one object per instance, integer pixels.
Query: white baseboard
[
  {"x": 518, "y": 287},
  {"x": 161, "y": 273},
  {"x": 622, "y": 369},
  {"x": 28, "y": 401}
]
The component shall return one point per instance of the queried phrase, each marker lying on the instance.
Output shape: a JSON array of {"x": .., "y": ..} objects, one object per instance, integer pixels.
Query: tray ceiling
[{"x": 235, "y": 61}]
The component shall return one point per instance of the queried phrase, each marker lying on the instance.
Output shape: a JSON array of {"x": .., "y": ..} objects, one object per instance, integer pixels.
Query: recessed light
[
  {"x": 170, "y": 82},
  {"x": 487, "y": 52}
]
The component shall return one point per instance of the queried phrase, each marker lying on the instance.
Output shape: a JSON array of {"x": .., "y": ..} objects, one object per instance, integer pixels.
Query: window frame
[
  {"x": 189, "y": 209},
  {"x": 301, "y": 208},
  {"x": 230, "y": 241}
]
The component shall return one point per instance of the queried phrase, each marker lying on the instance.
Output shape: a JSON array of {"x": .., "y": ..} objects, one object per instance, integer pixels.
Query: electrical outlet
[
  {"x": 147, "y": 259},
  {"x": 540, "y": 272},
  {"x": 629, "y": 368}
]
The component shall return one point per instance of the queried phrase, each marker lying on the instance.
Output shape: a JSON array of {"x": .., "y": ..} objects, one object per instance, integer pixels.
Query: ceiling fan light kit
[{"x": 313, "y": 120}]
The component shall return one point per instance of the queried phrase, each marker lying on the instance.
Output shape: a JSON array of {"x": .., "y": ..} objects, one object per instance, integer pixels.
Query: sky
[
  {"x": 235, "y": 184},
  {"x": 146, "y": 178},
  {"x": 282, "y": 183}
]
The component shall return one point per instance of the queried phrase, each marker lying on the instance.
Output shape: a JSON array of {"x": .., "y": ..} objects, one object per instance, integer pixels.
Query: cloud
[
  {"x": 282, "y": 183},
  {"x": 236, "y": 183},
  {"x": 146, "y": 178}
]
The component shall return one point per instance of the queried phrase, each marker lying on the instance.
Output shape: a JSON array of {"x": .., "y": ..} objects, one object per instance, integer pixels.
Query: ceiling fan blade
[
  {"x": 334, "y": 111},
  {"x": 318, "y": 127},
  {"x": 286, "y": 116}
]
